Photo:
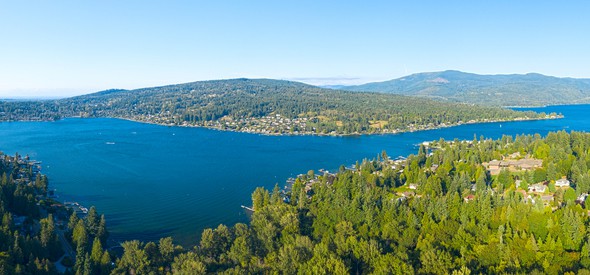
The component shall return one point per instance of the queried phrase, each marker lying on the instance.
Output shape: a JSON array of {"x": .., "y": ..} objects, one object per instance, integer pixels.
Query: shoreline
[
  {"x": 304, "y": 133},
  {"x": 545, "y": 106},
  {"x": 332, "y": 135}
]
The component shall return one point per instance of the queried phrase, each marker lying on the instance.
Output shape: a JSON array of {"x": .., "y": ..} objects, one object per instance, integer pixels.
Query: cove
[{"x": 152, "y": 181}]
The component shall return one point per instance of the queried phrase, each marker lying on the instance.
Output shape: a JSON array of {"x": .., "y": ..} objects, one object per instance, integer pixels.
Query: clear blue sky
[{"x": 59, "y": 48}]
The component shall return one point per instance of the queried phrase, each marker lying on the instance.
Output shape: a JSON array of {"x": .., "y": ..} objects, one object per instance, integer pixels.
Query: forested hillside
[
  {"x": 37, "y": 233},
  {"x": 495, "y": 90},
  {"x": 28, "y": 243},
  {"x": 264, "y": 106}
]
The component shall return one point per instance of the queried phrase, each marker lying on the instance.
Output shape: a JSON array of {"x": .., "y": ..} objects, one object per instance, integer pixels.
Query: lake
[{"x": 153, "y": 181}]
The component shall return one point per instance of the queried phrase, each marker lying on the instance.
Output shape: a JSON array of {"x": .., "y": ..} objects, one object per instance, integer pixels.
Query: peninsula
[{"x": 266, "y": 106}]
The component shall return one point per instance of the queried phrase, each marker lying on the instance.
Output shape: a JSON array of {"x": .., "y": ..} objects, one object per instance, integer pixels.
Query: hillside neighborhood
[{"x": 552, "y": 193}]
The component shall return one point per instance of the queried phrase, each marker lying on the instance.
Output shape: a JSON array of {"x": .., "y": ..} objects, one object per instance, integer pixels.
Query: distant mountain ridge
[{"x": 499, "y": 90}]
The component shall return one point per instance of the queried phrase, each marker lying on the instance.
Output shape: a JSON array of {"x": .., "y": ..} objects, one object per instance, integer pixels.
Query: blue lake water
[{"x": 153, "y": 181}]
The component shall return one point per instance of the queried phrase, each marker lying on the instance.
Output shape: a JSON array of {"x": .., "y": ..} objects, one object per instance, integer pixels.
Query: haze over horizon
[{"x": 66, "y": 48}]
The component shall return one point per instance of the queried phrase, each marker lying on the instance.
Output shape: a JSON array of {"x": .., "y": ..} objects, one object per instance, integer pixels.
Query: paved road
[
  {"x": 69, "y": 252},
  {"x": 65, "y": 245}
]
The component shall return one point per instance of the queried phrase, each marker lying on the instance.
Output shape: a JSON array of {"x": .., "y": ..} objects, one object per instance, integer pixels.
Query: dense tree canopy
[{"x": 28, "y": 240}]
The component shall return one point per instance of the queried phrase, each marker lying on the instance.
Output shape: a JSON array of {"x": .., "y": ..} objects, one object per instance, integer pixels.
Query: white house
[
  {"x": 537, "y": 188},
  {"x": 582, "y": 198},
  {"x": 563, "y": 182}
]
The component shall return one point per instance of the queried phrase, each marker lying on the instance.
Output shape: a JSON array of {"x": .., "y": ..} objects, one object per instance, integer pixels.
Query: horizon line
[{"x": 314, "y": 81}]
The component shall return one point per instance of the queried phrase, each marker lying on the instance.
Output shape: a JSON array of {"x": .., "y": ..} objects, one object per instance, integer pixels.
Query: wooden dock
[{"x": 247, "y": 208}]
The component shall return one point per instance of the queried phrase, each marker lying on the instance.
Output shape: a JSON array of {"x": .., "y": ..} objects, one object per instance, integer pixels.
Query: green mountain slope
[
  {"x": 264, "y": 106},
  {"x": 499, "y": 90}
]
